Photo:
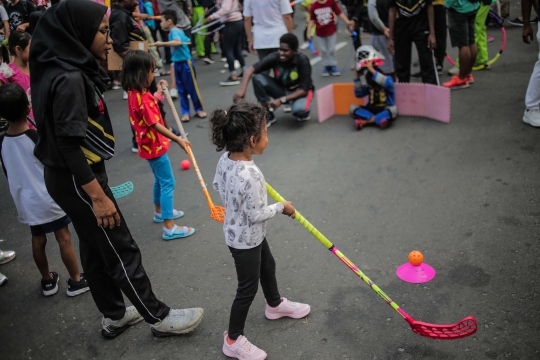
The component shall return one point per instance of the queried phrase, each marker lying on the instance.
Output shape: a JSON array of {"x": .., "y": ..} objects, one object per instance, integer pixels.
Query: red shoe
[
  {"x": 359, "y": 124},
  {"x": 384, "y": 124},
  {"x": 456, "y": 83},
  {"x": 470, "y": 79}
]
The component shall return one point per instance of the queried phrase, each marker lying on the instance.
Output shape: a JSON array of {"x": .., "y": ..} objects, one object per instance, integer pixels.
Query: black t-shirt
[
  {"x": 19, "y": 13},
  {"x": 293, "y": 74},
  {"x": 412, "y": 15},
  {"x": 124, "y": 29},
  {"x": 77, "y": 112}
]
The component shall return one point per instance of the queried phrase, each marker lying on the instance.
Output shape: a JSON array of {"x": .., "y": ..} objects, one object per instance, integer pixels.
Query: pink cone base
[{"x": 415, "y": 274}]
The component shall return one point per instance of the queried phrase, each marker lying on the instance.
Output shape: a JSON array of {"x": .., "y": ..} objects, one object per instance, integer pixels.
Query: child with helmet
[{"x": 369, "y": 81}]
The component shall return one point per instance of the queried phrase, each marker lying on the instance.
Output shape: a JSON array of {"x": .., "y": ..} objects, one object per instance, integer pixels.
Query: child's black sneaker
[
  {"x": 77, "y": 288},
  {"x": 270, "y": 118},
  {"x": 230, "y": 81},
  {"x": 50, "y": 287}
]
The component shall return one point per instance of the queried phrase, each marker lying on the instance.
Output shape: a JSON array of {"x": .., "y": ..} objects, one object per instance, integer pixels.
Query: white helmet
[{"x": 368, "y": 52}]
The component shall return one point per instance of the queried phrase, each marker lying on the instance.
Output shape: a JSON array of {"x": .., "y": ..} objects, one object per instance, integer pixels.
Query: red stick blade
[{"x": 464, "y": 328}]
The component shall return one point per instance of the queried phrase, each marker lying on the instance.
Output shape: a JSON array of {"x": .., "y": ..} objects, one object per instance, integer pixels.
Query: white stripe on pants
[
  {"x": 532, "y": 98},
  {"x": 328, "y": 49}
]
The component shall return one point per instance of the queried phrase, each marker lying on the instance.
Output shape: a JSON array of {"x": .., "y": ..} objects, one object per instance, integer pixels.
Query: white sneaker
[
  {"x": 115, "y": 86},
  {"x": 453, "y": 71},
  {"x": 3, "y": 279},
  {"x": 181, "y": 321},
  {"x": 287, "y": 108},
  {"x": 532, "y": 117},
  {"x": 236, "y": 65},
  {"x": 304, "y": 118},
  {"x": 112, "y": 328},
  {"x": 124, "y": 95},
  {"x": 6, "y": 256},
  {"x": 242, "y": 349},
  {"x": 174, "y": 93}
]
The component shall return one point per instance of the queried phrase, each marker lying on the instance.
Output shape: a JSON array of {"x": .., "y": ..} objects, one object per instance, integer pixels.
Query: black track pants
[
  {"x": 403, "y": 41},
  {"x": 110, "y": 257}
]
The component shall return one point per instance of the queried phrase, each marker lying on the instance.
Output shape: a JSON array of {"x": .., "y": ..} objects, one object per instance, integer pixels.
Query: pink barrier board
[{"x": 412, "y": 99}]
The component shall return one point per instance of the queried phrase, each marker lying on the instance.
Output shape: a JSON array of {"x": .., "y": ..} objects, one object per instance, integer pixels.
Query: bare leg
[
  {"x": 40, "y": 257},
  {"x": 63, "y": 236},
  {"x": 464, "y": 61}
]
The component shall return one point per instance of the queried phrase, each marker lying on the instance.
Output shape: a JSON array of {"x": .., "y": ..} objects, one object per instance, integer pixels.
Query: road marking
[{"x": 318, "y": 58}]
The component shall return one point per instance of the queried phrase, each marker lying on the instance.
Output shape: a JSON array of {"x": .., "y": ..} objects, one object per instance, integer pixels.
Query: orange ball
[{"x": 416, "y": 257}]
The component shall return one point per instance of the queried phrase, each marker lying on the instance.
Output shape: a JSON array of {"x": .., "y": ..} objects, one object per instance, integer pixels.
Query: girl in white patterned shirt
[{"x": 241, "y": 131}]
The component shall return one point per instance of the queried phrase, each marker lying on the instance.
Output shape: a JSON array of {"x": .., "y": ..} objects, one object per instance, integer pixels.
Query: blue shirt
[
  {"x": 150, "y": 11},
  {"x": 182, "y": 52}
]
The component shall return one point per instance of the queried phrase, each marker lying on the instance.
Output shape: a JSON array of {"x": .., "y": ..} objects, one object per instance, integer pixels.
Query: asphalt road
[{"x": 466, "y": 194}]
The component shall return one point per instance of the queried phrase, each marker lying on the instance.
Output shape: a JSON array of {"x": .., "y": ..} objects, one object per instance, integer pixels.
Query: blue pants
[
  {"x": 364, "y": 114},
  {"x": 186, "y": 83},
  {"x": 267, "y": 87},
  {"x": 163, "y": 185}
]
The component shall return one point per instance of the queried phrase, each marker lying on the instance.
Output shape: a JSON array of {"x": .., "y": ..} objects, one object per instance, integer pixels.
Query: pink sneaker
[
  {"x": 287, "y": 308},
  {"x": 242, "y": 349}
]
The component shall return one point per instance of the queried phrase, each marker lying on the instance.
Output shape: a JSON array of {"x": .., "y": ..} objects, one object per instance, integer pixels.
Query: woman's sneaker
[
  {"x": 287, "y": 308},
  {"x": 242, "y": 349},
  {"x": 112, "y": 328},
  {"x": 180, "y": 321},
  {"x": 326, "y": 71},
  {"x": 50, "y": 287},
  {"x": 77, "y": 288}
]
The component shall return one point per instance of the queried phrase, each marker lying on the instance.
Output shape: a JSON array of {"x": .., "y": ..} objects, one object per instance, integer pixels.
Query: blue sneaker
[
  {"x": 175, "y": 232},
  {"x": 334, "y": 71},
  {"x": 176, "y": 215},
  {"x": 326, "y": 71}
]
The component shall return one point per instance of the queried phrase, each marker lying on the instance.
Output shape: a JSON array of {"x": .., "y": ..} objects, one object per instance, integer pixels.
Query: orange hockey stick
[{"x": 216, "y": 212}]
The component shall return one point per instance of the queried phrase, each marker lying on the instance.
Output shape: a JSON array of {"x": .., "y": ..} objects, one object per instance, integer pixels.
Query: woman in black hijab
[{"x": 75, "y": 138}]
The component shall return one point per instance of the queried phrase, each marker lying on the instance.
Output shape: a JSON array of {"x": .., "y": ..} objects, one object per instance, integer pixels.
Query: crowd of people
[{"x": 56, "y": 66}]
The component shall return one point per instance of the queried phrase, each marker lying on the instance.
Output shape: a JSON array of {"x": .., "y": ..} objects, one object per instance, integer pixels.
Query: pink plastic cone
[{"x": 415, "y": 274}]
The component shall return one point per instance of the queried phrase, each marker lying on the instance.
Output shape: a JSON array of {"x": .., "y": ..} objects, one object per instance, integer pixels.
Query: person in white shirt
[
  {"x": 36, "y": 208},
  {"x": 272, "y": 18},
  {"x": 4, "y": 31},
  {"x": 241, "y": 131}
]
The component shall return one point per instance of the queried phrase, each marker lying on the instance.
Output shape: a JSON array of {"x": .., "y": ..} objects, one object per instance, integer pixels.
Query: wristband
[{"x": 158, "y": 96}]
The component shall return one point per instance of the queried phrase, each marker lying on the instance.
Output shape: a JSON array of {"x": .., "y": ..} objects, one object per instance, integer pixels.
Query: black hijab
[{"x": 61, "y": 43}]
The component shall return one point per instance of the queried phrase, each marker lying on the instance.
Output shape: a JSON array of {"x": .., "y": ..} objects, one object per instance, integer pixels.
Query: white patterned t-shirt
[{"x": 242, "y": 189}]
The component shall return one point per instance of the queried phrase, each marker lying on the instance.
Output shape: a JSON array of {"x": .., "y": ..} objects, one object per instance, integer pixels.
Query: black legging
[
  {"x": 252, "y": 265},
  {"x": 439, "y": 14},
  {"x": 232, "y": 43}
]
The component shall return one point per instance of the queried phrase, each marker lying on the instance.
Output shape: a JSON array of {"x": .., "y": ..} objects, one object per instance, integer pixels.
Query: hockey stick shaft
[
  {"x": 330, "y": 246},
  {"x": 190, "y": 153}
]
